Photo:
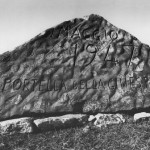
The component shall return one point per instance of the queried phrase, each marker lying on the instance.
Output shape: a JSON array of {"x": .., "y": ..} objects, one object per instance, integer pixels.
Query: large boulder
[{"x": 79, "y": 66}]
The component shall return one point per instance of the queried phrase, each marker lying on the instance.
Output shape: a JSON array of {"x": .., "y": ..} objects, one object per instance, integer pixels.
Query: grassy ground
[{"x": 128, "y": 136}]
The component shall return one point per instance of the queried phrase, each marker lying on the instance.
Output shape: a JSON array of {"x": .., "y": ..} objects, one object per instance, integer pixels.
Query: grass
[{"x": 127, "y": 136}]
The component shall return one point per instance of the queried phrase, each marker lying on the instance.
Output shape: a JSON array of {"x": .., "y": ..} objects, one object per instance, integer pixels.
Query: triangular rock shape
[{"x": 79, "y": 66}]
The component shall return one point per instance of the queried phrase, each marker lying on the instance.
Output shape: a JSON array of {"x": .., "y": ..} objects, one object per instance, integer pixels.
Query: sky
[{"x": 21, "y": 20}]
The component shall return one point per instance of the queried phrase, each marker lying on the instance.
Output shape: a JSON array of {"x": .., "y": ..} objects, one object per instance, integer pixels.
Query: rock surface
[
  {"x": 101, "y": 120},
  {"x": 61, "y": 122},
  {"x": 21, "y": 125},
  {"x": 141, "y": 115},
  {"x": 79, "y": 66}
]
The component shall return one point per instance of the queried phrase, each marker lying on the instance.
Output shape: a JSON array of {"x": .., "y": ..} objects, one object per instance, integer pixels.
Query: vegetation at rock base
[{"x": 127, "y": 136}]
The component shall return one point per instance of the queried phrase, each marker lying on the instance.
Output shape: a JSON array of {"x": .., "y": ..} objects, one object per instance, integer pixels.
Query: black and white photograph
[{"x": 74, "y": 75}]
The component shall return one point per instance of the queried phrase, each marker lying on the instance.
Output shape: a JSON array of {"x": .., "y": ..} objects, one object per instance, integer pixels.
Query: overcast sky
[{"x": 21, "y": 20}]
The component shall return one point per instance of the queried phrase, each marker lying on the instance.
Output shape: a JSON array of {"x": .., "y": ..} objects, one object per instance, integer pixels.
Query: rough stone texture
[
  {"x": 106, "y": 119},
  {"x": 96, "y": 56},
  {"x": 142, "y": 115},
  {"x": 52, "y": 123},
  {"x": 21, "y": 125}
]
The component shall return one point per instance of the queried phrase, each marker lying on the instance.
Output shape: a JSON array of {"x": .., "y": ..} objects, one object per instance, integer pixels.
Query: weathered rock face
[{"x": 82, "y": 65}]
